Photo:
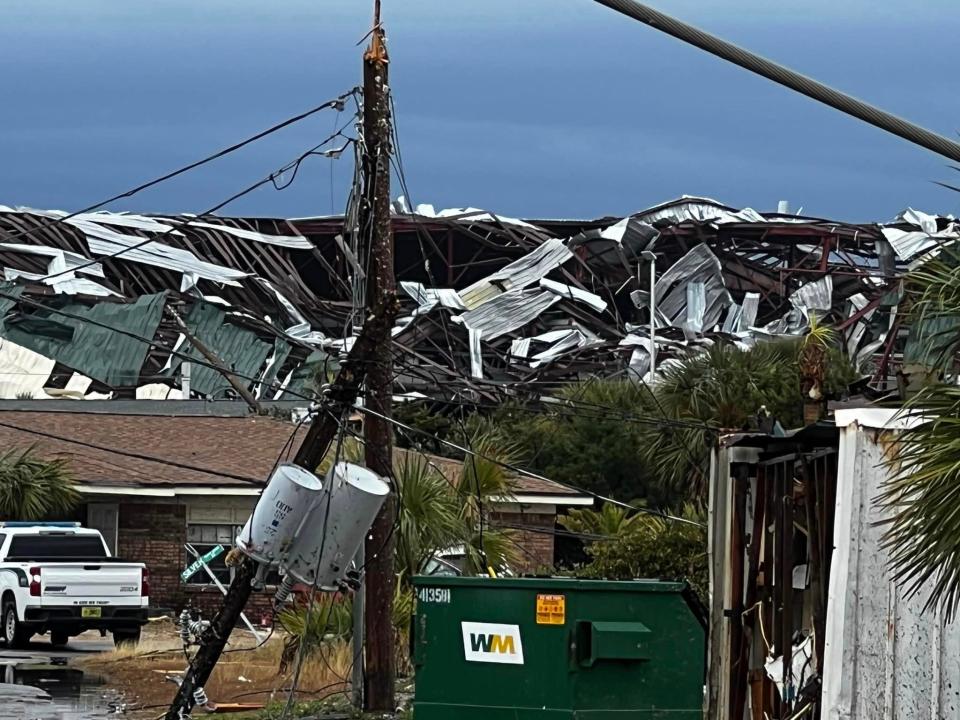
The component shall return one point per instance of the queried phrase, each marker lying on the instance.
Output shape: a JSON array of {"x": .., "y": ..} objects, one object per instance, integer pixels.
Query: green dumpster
[{"x": 525, "y": 648}]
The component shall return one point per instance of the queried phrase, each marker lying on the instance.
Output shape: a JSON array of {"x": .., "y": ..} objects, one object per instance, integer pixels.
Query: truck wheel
[
  {"x": 59, "y": 638},
  {"x": 16, "y": 635},
  {"x": 126, "y": 637}
]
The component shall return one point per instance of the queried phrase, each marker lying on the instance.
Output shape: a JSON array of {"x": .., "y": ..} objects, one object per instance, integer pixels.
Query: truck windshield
[{"x": 65, "y": 546}]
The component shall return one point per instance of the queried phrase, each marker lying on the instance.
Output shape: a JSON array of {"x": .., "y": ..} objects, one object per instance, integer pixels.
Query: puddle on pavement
[{"x": 73, "y": 693}]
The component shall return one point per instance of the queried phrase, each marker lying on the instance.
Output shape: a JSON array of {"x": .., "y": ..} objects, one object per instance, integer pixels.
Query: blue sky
[{"x": 536, "y": 108}]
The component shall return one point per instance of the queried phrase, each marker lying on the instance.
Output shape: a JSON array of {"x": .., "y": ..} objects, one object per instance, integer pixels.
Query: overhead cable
[
  {"x": 127, "y": 453},
  {"x": 786, "y": 77},
  {"x": 293, "y": 165},
  {"x": 335, "y": 103},
  {"x": 521, "y": 471}
]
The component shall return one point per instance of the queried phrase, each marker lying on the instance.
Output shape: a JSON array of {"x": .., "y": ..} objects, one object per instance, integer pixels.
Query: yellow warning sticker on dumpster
[{"x": 551, "y": 609}]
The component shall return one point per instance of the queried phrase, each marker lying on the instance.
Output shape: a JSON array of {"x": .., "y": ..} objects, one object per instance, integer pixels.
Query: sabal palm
[{"x": 32, "y": 488}]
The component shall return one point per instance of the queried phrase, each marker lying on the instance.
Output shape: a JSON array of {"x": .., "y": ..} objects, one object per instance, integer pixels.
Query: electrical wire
[
  {"x": 364, "y": 410},
  {"x": 154, "y": 343},
  {"x": 527, "y": 473},
  {"x": 336, "y": 102},
  {"x": 301, "y": 651},
  {"x": 133, "y": 455},
  {"x": 271, "y": 178},
  {"x": 403, "y": 367}
]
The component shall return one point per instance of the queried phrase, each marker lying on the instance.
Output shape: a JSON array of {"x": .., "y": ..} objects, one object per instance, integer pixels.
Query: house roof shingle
[{"x": 165, "y": 451}]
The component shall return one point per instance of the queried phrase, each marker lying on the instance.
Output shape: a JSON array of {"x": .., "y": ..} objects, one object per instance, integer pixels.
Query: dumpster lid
[{"x": 551, "y": 583}]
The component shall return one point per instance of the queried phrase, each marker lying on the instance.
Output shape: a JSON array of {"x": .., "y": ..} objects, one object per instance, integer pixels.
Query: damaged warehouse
[{"x": 490, "y": 303}]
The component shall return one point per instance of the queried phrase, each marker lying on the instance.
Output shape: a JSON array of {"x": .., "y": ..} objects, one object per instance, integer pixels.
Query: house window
[{"x": 204, "y": 538}]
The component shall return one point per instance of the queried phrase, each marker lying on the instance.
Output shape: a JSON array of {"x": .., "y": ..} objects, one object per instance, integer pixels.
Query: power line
[
  {"x": 786, "y": 77},
  {"x": 527, "y": 473},
  {"x": 293, "y": 165},
  {"x": 127, "y": 453},
  {"x": 366, "y": 410},
  {"x": 337, "y": 103},
  {"x": 651, "y": 420}
]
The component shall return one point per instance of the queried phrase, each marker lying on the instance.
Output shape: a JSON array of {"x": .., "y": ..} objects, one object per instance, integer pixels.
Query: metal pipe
[
  {"x": 653, "y": 321},
  {"x": 651, "y": 259},
  {"x": 784, "y": 76},
  {"x": 358, "y": 635}
]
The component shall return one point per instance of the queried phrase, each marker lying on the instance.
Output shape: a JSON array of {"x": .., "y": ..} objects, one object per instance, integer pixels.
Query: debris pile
[{"x": 490, "y": 303}]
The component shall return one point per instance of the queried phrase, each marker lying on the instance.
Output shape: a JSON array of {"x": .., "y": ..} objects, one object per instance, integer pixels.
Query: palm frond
[
  {"x": 922, "y": 498},
  {"x": 32, "y": 488},
  {"x": 429, "y": 511}
]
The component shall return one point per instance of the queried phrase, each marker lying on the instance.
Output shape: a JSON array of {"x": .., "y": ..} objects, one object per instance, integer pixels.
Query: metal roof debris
[{"x": 491, "y": 302}]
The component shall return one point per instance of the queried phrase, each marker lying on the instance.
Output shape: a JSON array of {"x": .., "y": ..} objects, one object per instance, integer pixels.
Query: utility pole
[
  {"x": 379, "y": 670},
  {"x": 339, "y": 399}
]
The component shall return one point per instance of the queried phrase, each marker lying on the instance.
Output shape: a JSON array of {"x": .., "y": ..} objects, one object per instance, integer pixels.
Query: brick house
[{"x": 155, "y": 475}]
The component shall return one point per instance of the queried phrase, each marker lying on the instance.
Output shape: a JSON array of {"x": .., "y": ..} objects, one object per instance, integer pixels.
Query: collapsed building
[{"x": 104, "y": 304}]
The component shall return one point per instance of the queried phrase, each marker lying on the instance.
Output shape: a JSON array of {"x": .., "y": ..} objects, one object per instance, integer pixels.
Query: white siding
[{"x": 885, "y": 658}]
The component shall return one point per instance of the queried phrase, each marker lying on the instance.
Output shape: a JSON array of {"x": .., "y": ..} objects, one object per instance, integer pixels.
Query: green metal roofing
[
  {"x": 281, "y": 351},
  {"x": 103, "y": 354},
  {"x": 240, "y": 350},
  {"x": 318, "y": 364}
]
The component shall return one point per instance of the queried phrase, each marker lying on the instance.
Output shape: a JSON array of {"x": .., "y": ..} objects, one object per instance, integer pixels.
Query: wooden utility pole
[
  {"x": 375, "y": 227},
  {"x": 339, "y": 399}
]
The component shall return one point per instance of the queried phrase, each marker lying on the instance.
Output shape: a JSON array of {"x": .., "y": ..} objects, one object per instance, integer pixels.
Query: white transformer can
[
  {"x": 289, "y": 496},
  {"x": 345, "y": 512}
]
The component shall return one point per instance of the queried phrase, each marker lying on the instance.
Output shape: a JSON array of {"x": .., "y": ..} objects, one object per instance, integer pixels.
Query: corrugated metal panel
[
  {"x": 573, "y": 293},
  {"x": 60, "y": 260},
  {"x": 281, "y": 351},
  {"x": 428, "y": 298},
  {"x": 507, "y": 312},
  {"x": 817, "y": 295},
  {"x": 885, "y": 657},
  {"x": 105, "y": 355},
  {"x": 22, "y": 371},
  {"x": 294, "y": 242},
  {"x": 303, "y": 378},
  {"x": 103, "y": 241},
  {"x": 698, "y": 210},
  {"x": 166, "y": 225},
  {"x": 518, "y": 274},
  {"x": 699, "y": 265},
  {"x": 63, "y": 284},
  {"x": 240, "y": 350}
]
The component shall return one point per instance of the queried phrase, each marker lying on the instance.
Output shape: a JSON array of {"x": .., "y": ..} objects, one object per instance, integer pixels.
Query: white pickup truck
[{"x": 60, "y": 578}]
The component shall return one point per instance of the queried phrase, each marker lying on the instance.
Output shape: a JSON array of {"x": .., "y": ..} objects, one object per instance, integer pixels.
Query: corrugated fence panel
[{"x": 885, "y": 658}]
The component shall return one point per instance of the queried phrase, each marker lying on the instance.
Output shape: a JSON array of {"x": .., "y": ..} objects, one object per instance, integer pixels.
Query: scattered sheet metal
[
  {"x": 518, "y": 274},
  {"x": 572, "y": 293},
  {"x": 541, "y": 300},
  {"x": 507, "y": 312},
  {"x": 699, "y": 267}
]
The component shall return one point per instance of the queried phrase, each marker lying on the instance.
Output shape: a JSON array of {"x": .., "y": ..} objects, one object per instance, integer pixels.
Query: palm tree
[
  {"x": 443, "y": 505},
  {"x": 923, "y": 493},
  {"x": 814, "y": 349},
  {"x": 32, "y": 488},
  {"x": 429, "y": 513},
  {"x": 609, "y": 521},
  {"x": 484, "y": 477},
  {"x": 719, "y": 388}
]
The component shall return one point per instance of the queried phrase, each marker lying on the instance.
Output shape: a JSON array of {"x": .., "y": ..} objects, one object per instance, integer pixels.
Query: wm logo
[{"x": 492, "y": 643}]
